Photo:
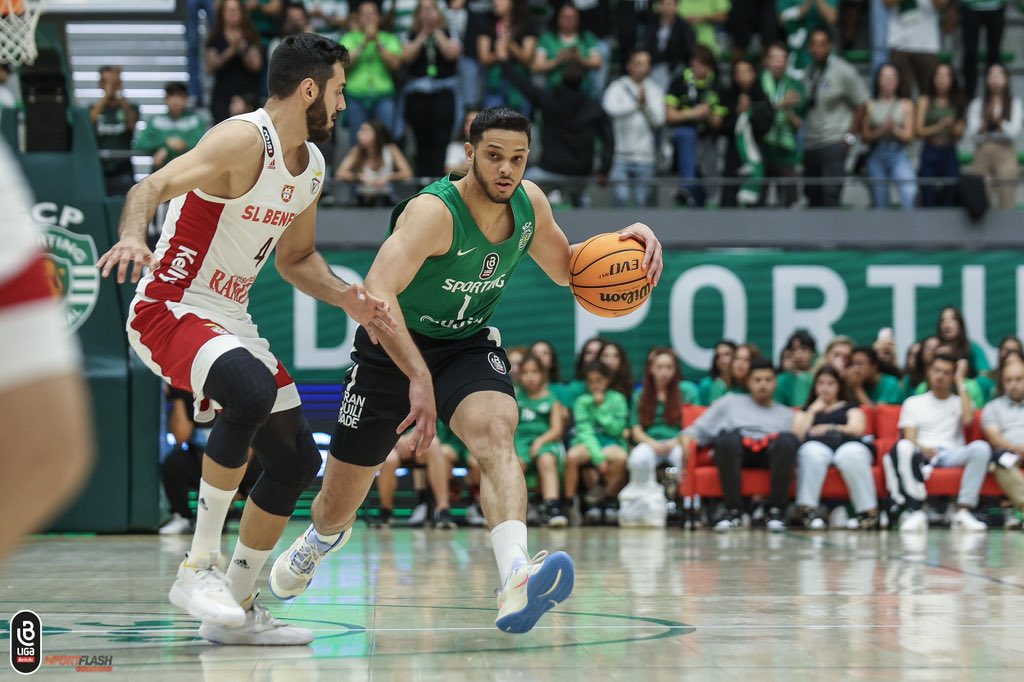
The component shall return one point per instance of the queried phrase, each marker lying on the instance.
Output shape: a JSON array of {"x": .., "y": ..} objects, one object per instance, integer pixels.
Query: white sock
[
  {"x": 326, "y": 539},
  {"x": 509, "y": 542},
  {"x": 245, "y": 569},
  {"x": 211, "y": 510}
]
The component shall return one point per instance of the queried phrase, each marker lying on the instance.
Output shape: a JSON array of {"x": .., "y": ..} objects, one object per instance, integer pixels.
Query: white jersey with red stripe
[
  {"x": 212, "y": 249},
  {"x": 19, "y": 236}
]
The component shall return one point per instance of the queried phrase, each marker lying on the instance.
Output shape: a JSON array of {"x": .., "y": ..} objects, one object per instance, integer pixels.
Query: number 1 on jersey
[
  {"x": 263, "y": 251},
  {"x": 462, "y": 310}
]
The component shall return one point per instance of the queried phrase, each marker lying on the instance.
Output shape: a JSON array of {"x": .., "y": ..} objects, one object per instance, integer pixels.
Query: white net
[{"x": 18, "y": 21}]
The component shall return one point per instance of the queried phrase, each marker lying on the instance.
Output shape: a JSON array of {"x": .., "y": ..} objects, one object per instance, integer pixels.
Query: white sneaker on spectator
[
  {"x": 178, "y": 525},
  {"x": 965, "y": 520},
  {"x": 419, "y": 515},
  {"x": 474, "y": 516},
  {"x": 914, "y": 522},
  {"x": 1010, "y": 520},
  {"x": 776, "y": 522},
  {"x": 731, "y": 521},
  {"x": 838, "y": 517}
]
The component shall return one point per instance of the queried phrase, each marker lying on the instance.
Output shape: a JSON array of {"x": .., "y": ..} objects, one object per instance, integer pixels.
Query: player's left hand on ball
[
  {"x": 368, "y": 310},
  {"x": 652, "y": 264}
]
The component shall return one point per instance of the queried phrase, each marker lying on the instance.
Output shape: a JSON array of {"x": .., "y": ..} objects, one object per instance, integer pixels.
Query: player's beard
[
  {"x": 496, "y": 198},
  {"x": 318, "y": 124}
]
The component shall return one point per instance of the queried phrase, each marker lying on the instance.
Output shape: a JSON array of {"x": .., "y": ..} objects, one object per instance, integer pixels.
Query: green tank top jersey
[
  {"x": 454, "y": 295},
  {"x": 534, "y": 415}
]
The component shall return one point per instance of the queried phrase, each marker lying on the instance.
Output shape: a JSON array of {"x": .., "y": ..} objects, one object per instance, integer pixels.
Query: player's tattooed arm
[
  {"x": 302, "y": 266},
  {"x": 229, "y": 147},
  {"x": 424, "y": 229}
]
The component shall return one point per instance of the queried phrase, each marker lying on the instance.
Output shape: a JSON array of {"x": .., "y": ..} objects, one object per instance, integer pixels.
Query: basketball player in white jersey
[
  {"x": 44, "y": 415},
  {"x": 250, "y": 184}
]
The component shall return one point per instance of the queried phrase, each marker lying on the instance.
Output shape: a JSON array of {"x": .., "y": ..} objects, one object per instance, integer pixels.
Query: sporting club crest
[
  {"x": 527, "y": 233},
  {"x": 71, "y": 266},
  {"x": 286, "y": 193}
]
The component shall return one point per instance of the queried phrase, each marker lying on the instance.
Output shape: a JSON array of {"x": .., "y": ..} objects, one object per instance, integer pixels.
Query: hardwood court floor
[{"x": 649, "y": 605}]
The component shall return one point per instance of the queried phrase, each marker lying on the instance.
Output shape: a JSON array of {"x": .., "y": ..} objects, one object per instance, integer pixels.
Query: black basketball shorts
[{"x": 376, "y": 397}]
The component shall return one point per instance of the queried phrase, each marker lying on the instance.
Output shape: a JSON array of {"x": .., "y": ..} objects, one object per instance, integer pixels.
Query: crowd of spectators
[
  {"x": 592, "y": 444},
  {"x": 729, "y": 97}
]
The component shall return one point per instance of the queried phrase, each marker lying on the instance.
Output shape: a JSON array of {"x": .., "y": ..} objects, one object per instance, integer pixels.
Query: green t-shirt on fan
[
  {"x": 453, "y": 296},
  {"x": 534, "y": 415},
  {"x": 659, "y": 428},
  {"x": 369, "y": 76}
]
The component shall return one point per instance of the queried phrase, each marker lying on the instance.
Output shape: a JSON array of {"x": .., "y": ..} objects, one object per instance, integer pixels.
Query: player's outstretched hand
[
  {"x": 422, "y": 413},
  {"x": 652, "y": 255},
  {"x": 123, "y": 254},
  {"x": 368, "y": 310}
]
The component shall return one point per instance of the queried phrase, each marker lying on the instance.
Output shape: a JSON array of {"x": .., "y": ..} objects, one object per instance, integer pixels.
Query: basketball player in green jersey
[{"x": 450, "y": 254}]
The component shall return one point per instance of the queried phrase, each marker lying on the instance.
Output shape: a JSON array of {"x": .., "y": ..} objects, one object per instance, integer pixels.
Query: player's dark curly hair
[
  {"x": 302, "y": 56},
  {"x": 498, "y": 118}
]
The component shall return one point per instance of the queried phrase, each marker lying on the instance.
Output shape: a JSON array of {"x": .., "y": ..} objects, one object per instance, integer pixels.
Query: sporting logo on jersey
[
  {"x": 269, "y": 141},
  {"x": 497, "y": 363},
  {"x": 286, "y": 193},
  {"x": 314, "y": 187},
  {"x": 71, "y": 262},
  {"x": 491, "y": 261},
  {"x": 525, "y": 238}
]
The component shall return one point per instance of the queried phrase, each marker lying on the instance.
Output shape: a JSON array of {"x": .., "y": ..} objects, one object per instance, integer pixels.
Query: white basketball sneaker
[
  {"x": 203, "y": 590},
  {"x": 260, "y": 629},
  {"x": 914, "y": 522},
  {"x": 293, "y": 571},
  {"x": 965, "y": 520},
  {"x": 532, "y": 589}
]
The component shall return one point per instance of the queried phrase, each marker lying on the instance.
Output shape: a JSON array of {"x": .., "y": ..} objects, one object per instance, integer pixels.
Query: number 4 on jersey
[{"x": 263, "y": 251}]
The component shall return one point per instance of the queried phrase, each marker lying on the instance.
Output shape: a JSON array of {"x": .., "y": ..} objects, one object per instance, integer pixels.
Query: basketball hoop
[{"x": 18, "y": 21}]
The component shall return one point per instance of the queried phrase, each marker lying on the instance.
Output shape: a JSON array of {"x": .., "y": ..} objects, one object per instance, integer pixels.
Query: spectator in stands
[
  {"x": 374, "y": 55},
  {"x": 932, "y": 426},
  {"x": 455, "y": 159},
  {"x": 634, "y": 102},
  {"x": 479, "y": 18},
  {"x": 516, "y": 355},
  {"x": 885, "y": 347},
  {"x": 631, "y": 21},
  {"x": 1003, "y": 423},
  {"x": 545, "y": 352},
  {"x": 917, "y": 364},
  {"x": 510, "y": 37},
  {"x": 656, "y": 418},
  {"x": 832, "y": 427},
  {"x": 913, "y": 37},
  {"x": 575, "y": 125},
  {"x": 596, "y": 18},
  {"x": 242, "y": 104},
  {"x": 705, "y": 16},
  {"x": 779, "y": 147},
  {"x": 837, "y": 353},
  {"x": 440, "y": 465},
  {"x": 990, "y": 14},
  {"x": 867, "y": 383},
  {"x": 739, "y": 370},
  {"x": 374, "y": 165},
  {"x": 1007, "y": 346},
  {"x": 750, "y": 116},
  {"x": 565, "y": 45},
  {"x": 613, "y": 356},
  {"x": 888, "y": 129},
  {"x": 749, "y": 431},
  {"x": 538, "y": 439},
  {"x": 167, "y": 136},
  {"x": 234, "y": 55},
  {"x": 940, "y": 123},
  {"x": 430, "y": 56},
  {"x": 568, "y": 393},
  {"x": 266, "y": 17},
  {"x": 835, "y": 112},
  {"x": 602, "y": 417},
  {"x": 192, "y": 55},
  {"x": 387, "y": 480},
  {"x": 794, "y": 385},
  {"x": 400, "y": 15},
  {"x": 113, "y": 120},
  {"x": 693, "y": 109},
  {"x": 994, "y": 124},
  {"x": 719, "y": 377},
  {"x": 330, "y": 17},
  {"x": 951, "y": 330},
  {"x": 669, "y": 40},
  {"x": 801, "y": 19},
  {"x": 748, "y": 18}
]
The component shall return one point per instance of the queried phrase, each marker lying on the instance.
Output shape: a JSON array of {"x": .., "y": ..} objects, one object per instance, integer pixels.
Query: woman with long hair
[
  {"x": 511, "y": 37},
  {"x": 718, "y": 379},
  {"x": 614, "y": 356},
  {"x": 994, "y": 123},
  {"x": 234, "y": 56},
  {"x": 940, "y": 123},
  {"x": 375, "y": 163},
  {"x": 889, "y": 128},
  {"x": 832, "y": 426},
  {"x": 951, "y": 330},
  {"x": 656, "y": 419}
]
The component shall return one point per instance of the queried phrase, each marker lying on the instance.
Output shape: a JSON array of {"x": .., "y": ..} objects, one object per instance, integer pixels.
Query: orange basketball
[{"x": 607, "y": 276}]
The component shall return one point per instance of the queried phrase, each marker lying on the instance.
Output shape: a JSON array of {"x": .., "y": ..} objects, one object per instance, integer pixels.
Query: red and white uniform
[
  {"x": 33, "y": 343},
  {"x": 192, "y": 308}
]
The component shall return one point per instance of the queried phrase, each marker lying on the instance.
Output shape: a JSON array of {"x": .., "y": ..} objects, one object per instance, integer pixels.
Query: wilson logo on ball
[{"x": 632, "y": 296}]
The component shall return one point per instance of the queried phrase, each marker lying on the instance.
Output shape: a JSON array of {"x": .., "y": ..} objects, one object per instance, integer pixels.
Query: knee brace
[
  {"x": 287, "y": 471},
  {"x": 246, "y": 391}
]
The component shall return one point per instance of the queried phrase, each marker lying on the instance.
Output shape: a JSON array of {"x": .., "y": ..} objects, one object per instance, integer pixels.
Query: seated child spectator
[
  {"x": 440, "y": 463},
  {"x": 538, "y": 439},
  {"x": 867, "y": 383},
  {"x": 387, "y": 480}
]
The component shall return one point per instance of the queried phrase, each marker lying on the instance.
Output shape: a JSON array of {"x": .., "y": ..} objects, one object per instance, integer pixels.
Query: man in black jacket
[{"x": 573, "y": 124}]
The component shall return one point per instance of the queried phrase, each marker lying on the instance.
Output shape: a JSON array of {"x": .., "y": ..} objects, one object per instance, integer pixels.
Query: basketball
[{"x": 607, "y": 277}]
